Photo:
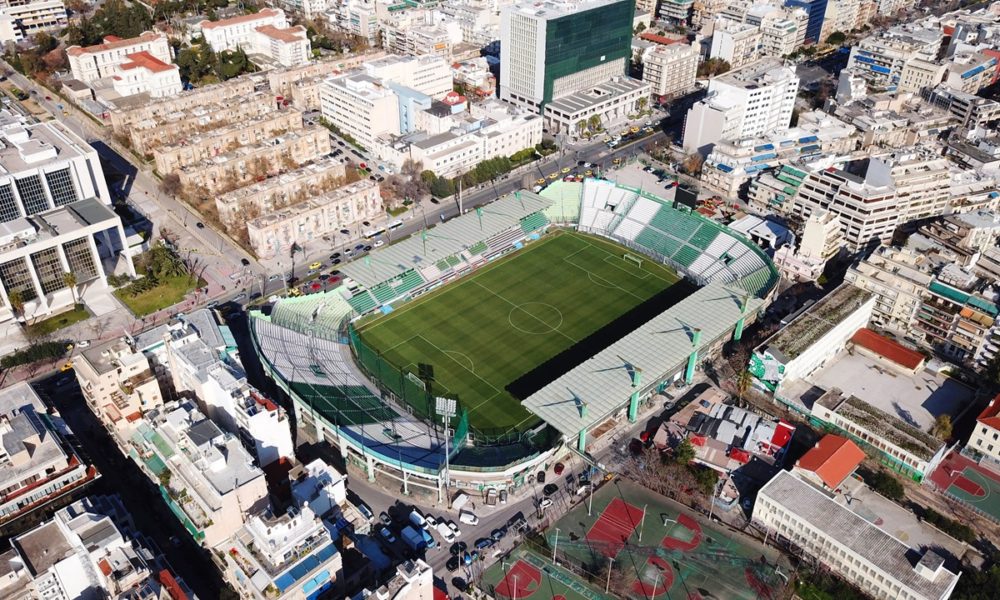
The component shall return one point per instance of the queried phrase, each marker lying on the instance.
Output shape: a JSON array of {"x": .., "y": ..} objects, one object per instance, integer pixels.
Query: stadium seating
[
  {"x": 657, "y": 242},
  {"x": 628, "y": 229},
  {"x": 533, "y": 222},
  {"x": 643, "y": 209},
  {"x": 686, "y": 256},
  {"x": 362, "y": 302},
  {"x": 704, "y": 236},
  {"x": 478, "y": 248},
  {"x": 442, "y": 265},
  {"x": 505, "y": 240},
  {"x": 677, "y": 223}
]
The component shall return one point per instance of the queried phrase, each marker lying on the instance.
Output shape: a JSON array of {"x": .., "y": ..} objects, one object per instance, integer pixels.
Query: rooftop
[
  {"x": 29, "y": 147},
  {"x": 147, "y": 61},
  {"x": 265, "y": 13},
  {"x": 592, "y": 391},
  {"x": 816, "y": 322},
  {"x": 758, "y": 73},
  {"x": 865, "y": 539},
  {"x": 554, "y": 9},
  {"x": 112, "y": 42},
  {"x": 599, "y": 94},
  {"x": 833, "y": 458},
  {"x": 43, "y": 547},
  {"x": 888, "y": 349},
  {"x": 991, "y": 414}
]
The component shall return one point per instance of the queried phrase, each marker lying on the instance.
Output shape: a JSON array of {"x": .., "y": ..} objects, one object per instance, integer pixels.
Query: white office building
[
  {"x": 55, "y": 217},
  {"x": 849, "y": 545},
  {"x": 749, "y": 102},
  {"x": 360, "y": 106},
  {"x": 670, "y": 70},
  {"x": 429, "y": 75},
  {"x": 22, "y": 19}
]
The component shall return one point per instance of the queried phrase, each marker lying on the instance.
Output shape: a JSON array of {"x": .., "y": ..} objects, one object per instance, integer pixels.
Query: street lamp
[
  {"x": 611, "y": 565},
  {"x": 555, "y": 547}
]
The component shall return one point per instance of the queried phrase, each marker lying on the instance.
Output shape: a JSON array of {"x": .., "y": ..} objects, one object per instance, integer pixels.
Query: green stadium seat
[
  {"x": 676, "y": 223},
  {"x": 442, "y": 265},
  {"x": 453, "y": 261},
  {"x": 703, "y": 237},
  {"x": 657, "y": 242},
  {"x": 478, "y": 248},
  {"x": 362, "y": 302},
  {"x": 686, "y": 255},
  {"x": 533, "y": 222},
  {"x": 383, "y": 292}
]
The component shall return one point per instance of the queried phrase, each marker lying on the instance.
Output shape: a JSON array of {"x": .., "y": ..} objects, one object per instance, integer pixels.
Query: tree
[
  {"x": 16, "y": 299},
  {"x": 581, "y": 126},
  {"x": 836, "y": 38},
  {"x": 171, "y": 184},
  {"x": 594, "y": 123},
  {"x": 713, "y": 67},
  {"x": 69, "y": 278},
  {"x": 684, "y": 452},
  {"x": 942, "y": 427},
  {"x": 639, "y": 28},
  {"x": 692, "y": 163}
]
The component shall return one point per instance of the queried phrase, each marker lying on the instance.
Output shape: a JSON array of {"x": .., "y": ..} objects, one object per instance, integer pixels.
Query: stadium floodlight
[{"x": 447, "y": 408}]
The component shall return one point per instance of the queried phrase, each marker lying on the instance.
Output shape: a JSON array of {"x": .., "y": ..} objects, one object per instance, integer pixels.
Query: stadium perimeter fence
[{"x": 410, "y": 391}]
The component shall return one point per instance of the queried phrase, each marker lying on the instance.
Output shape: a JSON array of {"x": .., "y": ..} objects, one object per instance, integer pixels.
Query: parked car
[
  {"x": 503, "y": 496},
  {"x": 83, "y": 344},
  {"x": 498, "y": 534},
  {"x": 446, "y": 533},
  {"x": 458, "y": 548},
  {"x": 545, "y": 503},
  {"x": 366, "y": 512},
  {"x": 452, "y": 564},
  {"x": 483, "y": 543},
  {"x": 468, "y": 518},
  {"x": 431, "y": 521},
  {"x": 385, "y": 518},
  {"x": 550, "y": 489},
  {"x": 387, "y": 535},
  {"x": 453, "y": 527},
  {"x": 378, "y": 243}
]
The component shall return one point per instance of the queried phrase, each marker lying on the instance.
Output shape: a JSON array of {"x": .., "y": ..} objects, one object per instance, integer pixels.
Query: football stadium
[{"x": 539, "y": 320}]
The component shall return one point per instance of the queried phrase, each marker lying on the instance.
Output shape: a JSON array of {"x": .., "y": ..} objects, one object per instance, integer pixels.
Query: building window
[
  {"x": 49, "y": 270},
  {"x": 80, "y": 259},
  {"x": 8, "y": 205},
  {"x": 32, "y": 195},
  {"x": 16, "y": 278},
  {"x": 61, "y": 187}
]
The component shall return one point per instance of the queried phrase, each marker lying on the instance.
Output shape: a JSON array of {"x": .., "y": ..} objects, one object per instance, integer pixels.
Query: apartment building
[
  {"x": 841, "y": 16},
  {"x": 474, "y": 75},
  {"x": 225, "y": 172},
  {"x": 422, "y": 38},
  {"x": 117, "y": 383},
  {"x": 89, "y": 547},
  {"x": 678, "y": 11},
  {"x": 283, "y": 557},
  {"x": 284, "y": 81},
  {"x": 461, "y": 140},
  {"x": 881, "y": 57},
  {"x": 360, "y": 106},
  {"x": 875, "y": 196},
  {"x": 972, "y": 111},
  {"x": 898, "y": 278},
  {"x": 318, "y": 486},
  {"x": 274, "y": 233},
  {"x": 957, "y": 320},
  {"x": 782, "y": 31},
  {"x": 55, "y": 207},
  {"x": 732, "y": 163},
  {"x": 307, "y": 10},
  {"x": 203, "y": 366},
  {"x": 22, "y": 19},
  {"x": 196, "y": 147},
  {"x": 771, "y": 192},
  {"x": 965, "y": 235},
  {"x": 265, "y": 33},
  {"x": 738, "y": 44},
  {"x": 671, "y": 70},
  {"x": 558, "y": 48},
  {"x": 985, "y": 438},
  {"x": 428, "y": 75},
  {"x": 821, "y": 242},
  {"x": 919, "y": 73},
  {"x": 852, "y": 547},
  {"x": 38, "y": 465},
  {"x": 205, "y": 475},
  {"x": 970, "y": 72},
  {"x": 816, "y": 11},
  {"x": 753, "y": 101},
  {"x": 246, "y": 203},
  {"x": 161, "y": 109},
  {"x": 148, "y": 134},
  {"x": 136, "y": 65},
  {"x": 413, "y": 579}
]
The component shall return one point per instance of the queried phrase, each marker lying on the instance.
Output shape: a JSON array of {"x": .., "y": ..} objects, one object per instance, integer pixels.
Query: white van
[
  {"x": 418, "y": 520},
  {"x": 468, "y": 518}
]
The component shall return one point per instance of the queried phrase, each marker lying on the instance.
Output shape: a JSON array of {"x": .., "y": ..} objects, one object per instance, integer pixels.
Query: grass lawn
[
  {"x": 488, "y": 329},
  {"x": 170, "y": 291},
  {"x": 79, "y": 313}
]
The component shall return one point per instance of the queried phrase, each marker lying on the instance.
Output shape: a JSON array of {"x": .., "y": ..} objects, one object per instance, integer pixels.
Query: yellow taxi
[
  {"x": 66, "y": 367},
  {"x": 294, "y": 292},
  {"x": 589, "y": 173},
  {"x": 315, "y": 265},
  {"x": 554, "y": 176},
  {"x": 634, "y": 130},
  {"x": 618, "y": 161},
  {"x": 540, "y": 181},
  {"x": 565, "y": 170}
]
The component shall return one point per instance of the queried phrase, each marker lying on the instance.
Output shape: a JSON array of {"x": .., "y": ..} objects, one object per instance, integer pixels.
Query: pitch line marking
[
  {"x": 549, "y": 327},
  {"x": 452, "y": 359},
  {"x": 472, "y": 365},
  {"x": 983, "y": 483},
  {"x": 515, "y": 305}
]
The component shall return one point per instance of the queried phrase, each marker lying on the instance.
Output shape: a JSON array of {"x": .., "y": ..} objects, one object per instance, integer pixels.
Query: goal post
[{"x": 632, "y": 258}]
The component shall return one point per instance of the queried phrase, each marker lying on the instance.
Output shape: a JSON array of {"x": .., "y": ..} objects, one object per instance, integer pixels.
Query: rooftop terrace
[{"x": 816, "y": 322}]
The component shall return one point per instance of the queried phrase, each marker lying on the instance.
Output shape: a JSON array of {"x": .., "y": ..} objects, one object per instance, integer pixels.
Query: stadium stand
[{"x": 699, "y": 247}]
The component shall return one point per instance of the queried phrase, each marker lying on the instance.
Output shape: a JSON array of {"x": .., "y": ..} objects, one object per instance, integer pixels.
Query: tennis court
[
  {"x": 663, "y": 550},
  {"x": 967, "y": 481}
]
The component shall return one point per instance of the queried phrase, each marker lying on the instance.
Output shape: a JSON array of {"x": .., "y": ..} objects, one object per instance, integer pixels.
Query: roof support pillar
[
  {"x": 693, "y": 358},
  {"x": 738, "y": 332},
  {"x": 581, "y": 442},
  {"x": 633, "y": 407}
]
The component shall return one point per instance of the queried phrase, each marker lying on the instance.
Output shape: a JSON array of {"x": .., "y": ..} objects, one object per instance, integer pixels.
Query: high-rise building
[
  {"x": 748, "y": 102},
  {"x": 817, "y": 12},
  {"x": 736, "y": 43},
  {"x": 671, "y": 70},
  {"x": 552, "y": 49}
]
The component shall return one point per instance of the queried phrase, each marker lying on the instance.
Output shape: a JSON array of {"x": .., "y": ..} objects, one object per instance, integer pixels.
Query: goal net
[{"x": 632, "y": 259}]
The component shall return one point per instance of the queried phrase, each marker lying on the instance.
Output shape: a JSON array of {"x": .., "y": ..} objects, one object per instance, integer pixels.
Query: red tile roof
[
  {"x": 105, "y": 566},
  {"x": 832, "y": 459},
  {"x": 991, "y": 415},
  {"x": 173, "y": 588},
  {"x": 263, "y": 14},
  {"x": 289, "y": 34},
  {"x": 112, "y": 42},
  {"x": 659, "y": 39},
  {"x": 887, "y": 349},
  {"x": 147, "y": 61}
]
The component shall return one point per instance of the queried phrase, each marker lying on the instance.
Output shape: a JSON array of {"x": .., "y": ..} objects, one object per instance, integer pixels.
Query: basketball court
[
  {"x": 663, "y": 550},
  {"x": 529, "y": 576},
  {"x": 969, "y": 482}
]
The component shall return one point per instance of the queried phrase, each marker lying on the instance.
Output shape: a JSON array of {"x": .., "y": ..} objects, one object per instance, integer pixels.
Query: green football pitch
[{"x": 486, "y": 330}]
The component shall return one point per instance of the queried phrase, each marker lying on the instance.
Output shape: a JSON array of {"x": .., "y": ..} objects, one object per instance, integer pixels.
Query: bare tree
[{"x": 171, "y": 184}]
